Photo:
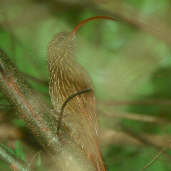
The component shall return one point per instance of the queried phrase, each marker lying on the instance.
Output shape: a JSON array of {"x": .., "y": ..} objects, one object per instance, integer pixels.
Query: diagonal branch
[
  {"x": 31, "y": 108},
  {"x": 12, "y": 160}
]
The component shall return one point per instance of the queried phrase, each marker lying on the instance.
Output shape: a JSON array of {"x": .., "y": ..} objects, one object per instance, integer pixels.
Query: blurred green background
[{"x": 128, "y": 60}]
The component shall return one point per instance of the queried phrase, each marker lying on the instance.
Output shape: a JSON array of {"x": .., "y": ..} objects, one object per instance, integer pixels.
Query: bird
[{"x": 68, "y": 77}]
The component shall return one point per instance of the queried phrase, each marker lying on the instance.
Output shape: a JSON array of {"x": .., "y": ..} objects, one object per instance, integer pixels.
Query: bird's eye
[{"x": 61, "y": 36}]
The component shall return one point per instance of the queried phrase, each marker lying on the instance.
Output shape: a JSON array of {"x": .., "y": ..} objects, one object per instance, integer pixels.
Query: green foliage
[{"x": 19, "y": 150}]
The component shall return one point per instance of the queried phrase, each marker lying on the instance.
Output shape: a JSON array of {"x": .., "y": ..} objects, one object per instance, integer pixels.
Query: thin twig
[
  {"x": 33, "y": 158},
  {"x": 136, "y": 102},
  {"x": 137, "y": 117},
  {"x": 109, "y": 136},
  {"x": 65, "y": 103},
  {"x": 154, "y": 159},
  {"x": 146, "y": 141}
]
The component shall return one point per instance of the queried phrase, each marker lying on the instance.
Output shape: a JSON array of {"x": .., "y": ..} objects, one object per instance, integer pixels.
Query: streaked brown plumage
[{"x": 66, "y": 78}]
